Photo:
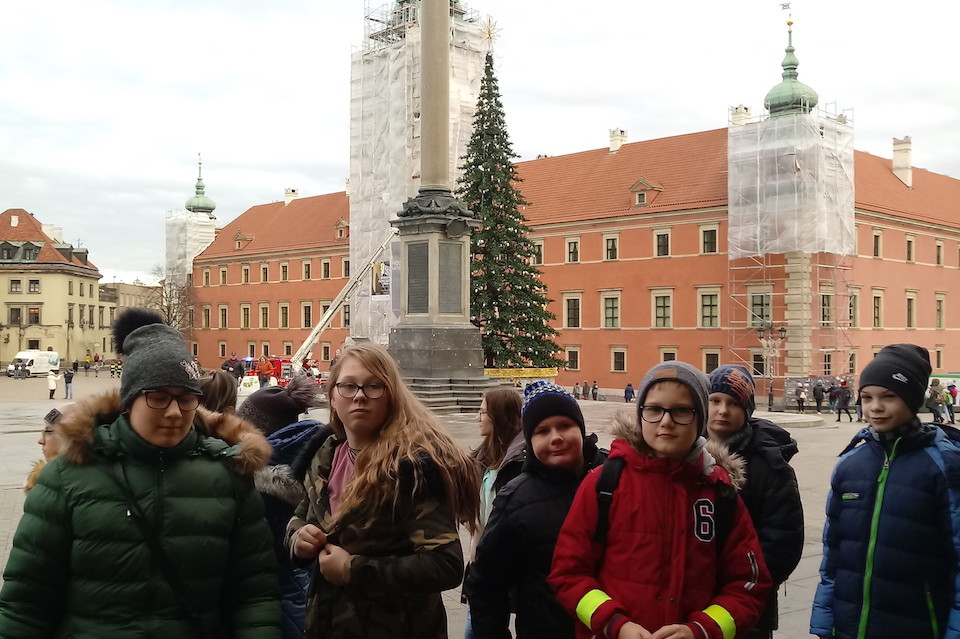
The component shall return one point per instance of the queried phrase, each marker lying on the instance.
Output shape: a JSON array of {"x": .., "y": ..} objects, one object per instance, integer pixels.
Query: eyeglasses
[
  {"x": 481, "y": 412},
  {"x": 160, "y": 400},
  {"x": 371, "y": 390},
  {"x": 681, "y": 415}
]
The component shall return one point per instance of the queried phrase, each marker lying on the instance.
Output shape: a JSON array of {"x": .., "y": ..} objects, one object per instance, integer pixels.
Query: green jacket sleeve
[
  {"x": 33, "y": 597},
  {"x": 252, "y": 600}
]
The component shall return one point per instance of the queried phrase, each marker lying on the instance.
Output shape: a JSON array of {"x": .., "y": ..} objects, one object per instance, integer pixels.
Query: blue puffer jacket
[
  {"x": 892, "y": 539},
  {"x": 282, "y": 491}
]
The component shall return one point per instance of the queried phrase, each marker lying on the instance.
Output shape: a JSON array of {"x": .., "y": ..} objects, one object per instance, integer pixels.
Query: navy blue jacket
[
  {"x": 282, "y": 491},
  {"x": 892, "y": 539}
]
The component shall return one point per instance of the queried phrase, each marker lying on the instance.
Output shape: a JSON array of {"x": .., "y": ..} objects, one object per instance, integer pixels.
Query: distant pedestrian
[
  {"x": 628, "y": 393},
  {"x": 801, "y": 399},
  {"x": 576, "y": 390},
  {"x": 53, "y": 378},
  {"x": 96, "y": 368},
  {"x": 595, "y": 390},
  {"x": 86, "y": 367},
  {"x": 843, "y": 400},
  {"x": 76, "y": 366},
  {"x": 818, "y": 396},
  {"x": 233, "y": 366},
  {"x": 934, "y": 401},
  {"x": 68, "y": 384},
  {"x": 832, "y": 397},
  {"x": 113, "y": 368}
]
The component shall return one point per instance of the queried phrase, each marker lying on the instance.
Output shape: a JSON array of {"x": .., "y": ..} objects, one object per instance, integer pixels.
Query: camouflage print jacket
[{"x": 403, "y": 558}]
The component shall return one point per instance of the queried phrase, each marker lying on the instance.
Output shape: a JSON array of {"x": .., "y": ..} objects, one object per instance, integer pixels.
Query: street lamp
[{"x": 771, "y": 340}]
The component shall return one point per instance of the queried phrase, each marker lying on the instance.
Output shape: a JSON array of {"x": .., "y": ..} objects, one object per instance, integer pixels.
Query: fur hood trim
[
  {"x": 625, "y": 427},
  {"x": 34, "y": 474},
  {"x": 77, "y": 427},
  {"x": 278, "y": 481}
]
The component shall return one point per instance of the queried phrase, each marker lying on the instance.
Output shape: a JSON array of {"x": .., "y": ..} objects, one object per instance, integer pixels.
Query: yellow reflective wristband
[
  {"x": 589, "y": 604},
  {"x": 724, "y": 619}
]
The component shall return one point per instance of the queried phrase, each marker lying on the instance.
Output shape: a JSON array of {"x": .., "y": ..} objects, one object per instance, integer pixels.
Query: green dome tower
[{"x": 791, "y": 95}]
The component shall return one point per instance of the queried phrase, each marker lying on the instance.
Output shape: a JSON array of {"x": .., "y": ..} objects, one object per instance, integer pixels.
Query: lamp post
[{"x": 771, "y": 339}]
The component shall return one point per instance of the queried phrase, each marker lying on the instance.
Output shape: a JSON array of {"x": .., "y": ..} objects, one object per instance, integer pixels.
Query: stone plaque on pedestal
[
  {"x": 418, "y": 267},
  {"x": 451, "y": 271}
]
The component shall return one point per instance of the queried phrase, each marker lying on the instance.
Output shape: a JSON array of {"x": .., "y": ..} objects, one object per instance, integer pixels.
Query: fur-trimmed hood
[
  {"x": 76, "y": 432},
  {"x": 278, "y": 481},
  {"x": 714, "y": 454}
]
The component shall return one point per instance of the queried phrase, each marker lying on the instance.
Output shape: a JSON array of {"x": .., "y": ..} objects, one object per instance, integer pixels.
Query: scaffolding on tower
[{"x": 791, "y": 238}]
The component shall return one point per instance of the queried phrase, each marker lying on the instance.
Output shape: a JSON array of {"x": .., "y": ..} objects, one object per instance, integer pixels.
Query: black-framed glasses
[
  {"x": 160, "y": 400},
  {"x": 481, "y": 412},
  {"x": 371, "y": 390},
  {"x": 682, "y": 415}
]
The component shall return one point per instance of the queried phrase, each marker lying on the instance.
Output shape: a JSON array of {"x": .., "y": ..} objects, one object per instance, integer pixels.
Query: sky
[{"x": 105, "y": 104}]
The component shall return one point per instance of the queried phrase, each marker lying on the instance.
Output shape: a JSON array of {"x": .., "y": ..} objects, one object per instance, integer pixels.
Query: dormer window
[
  {"x": 240, "y": 241},
  {"x": 644, "y": 192},
  {"x": 341, "y": 226}
]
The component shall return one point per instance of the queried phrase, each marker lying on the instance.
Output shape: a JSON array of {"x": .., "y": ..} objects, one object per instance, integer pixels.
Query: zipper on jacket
[
  {"x": 872, "y": 543},
  {"x": 931, "y": 610}
]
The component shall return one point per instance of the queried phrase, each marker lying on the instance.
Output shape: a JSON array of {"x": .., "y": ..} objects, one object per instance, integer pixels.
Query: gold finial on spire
[{"x": 199, "y": 166}]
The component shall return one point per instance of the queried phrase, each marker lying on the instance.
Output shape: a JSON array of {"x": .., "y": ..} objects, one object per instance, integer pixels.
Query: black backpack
[{"x": 609, "y": 480}]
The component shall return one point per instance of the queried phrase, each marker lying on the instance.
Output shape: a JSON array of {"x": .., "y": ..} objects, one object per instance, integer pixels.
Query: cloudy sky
[{"x": 104, "y": 104}]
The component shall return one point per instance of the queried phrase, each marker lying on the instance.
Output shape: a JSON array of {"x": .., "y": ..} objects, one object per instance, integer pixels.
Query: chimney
[
  {"x": 739, "y": 115},
  {"x": 902, "y": 167},
  {"x": 289, "y": 195},
  {"x": 618, "y": 137}
]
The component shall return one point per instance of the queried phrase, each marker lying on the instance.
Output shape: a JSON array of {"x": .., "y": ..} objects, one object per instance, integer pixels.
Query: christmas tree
[{"x": 508, "y": 302}]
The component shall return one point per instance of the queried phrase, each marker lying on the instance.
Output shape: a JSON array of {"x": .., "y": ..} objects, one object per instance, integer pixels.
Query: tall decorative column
[{"x": 434, "y": 337}]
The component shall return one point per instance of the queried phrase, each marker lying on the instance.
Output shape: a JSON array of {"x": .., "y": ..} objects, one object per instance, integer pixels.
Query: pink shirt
[{"x": 341, "y": 472}]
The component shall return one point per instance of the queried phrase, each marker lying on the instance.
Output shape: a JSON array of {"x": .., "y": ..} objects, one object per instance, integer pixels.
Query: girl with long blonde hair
[{"x": 385, "y": 493}]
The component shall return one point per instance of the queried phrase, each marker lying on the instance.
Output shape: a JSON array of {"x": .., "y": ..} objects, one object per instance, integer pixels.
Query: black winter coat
[
  {"x": 516, "y": 550},
  {"x": 772, "y": 497}
]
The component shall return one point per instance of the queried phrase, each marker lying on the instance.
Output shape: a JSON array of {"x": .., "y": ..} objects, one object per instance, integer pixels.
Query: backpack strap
[
  {"x": 606, "y": 484},
  {"x": 726, "y": 509}
]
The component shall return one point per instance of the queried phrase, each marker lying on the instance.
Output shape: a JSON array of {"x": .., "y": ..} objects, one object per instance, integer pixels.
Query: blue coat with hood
[
  {"x": 891, "y": 540},
  {"x": 282, "y": 491}
]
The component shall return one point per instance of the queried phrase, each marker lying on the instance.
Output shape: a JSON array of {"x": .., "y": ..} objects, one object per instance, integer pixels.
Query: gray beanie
[
  {"x": 154, "y": 355},
  {"x": 685, "y": 374}
]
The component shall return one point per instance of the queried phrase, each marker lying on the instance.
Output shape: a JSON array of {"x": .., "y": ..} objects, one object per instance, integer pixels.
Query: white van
[{"x": 35, "y": 362}]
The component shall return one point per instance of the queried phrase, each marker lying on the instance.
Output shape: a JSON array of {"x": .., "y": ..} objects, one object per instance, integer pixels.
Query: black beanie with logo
[{"x": 903, "y": 369}]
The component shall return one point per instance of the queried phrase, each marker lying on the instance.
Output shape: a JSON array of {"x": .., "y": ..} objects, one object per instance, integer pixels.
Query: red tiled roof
[
  {"x": 306, "y": 222},
  {"x": 29, "y": 229},
  {"x": 692, "y": 169}
]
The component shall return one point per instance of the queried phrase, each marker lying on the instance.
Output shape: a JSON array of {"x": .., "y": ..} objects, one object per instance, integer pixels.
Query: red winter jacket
[{"x": 660, "y": 564}]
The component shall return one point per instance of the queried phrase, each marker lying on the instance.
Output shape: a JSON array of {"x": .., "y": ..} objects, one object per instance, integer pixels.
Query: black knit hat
[
  {"x": 543, "y": 399},
  {"x": 903, "y": 369},
  {"x": 693, "y": 379},
  {"x": 154, "y": 355},
  {"x": 273, "y": 407}
]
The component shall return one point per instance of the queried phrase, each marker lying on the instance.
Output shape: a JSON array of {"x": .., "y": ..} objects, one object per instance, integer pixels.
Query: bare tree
[{"x": 174, "y": 301}]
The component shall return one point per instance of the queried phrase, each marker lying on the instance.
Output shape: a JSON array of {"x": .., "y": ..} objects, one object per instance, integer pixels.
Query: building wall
[
  {"x": 215, "y": 340},
  {"x": 58, "y": 307}
]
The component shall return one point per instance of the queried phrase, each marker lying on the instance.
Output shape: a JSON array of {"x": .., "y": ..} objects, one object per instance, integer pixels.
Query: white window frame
[
  {"x": 615, "y": 238},
  {"x": 614, "y": 351},
  {"x": 654, "y": 294},
  {"x": 223, "y": 316},
  {"x": 668, "y": 350},
  {"x": 656, "y": 234},
  {"x": 572, "y": 349},
  {"x": 910, "y": 310},
  {"x": 572, "y": 296},
  {"x": 910, "y": 248},
  {"x": 610, "y": 295},
  {"x": 537, "y": 244},
  {"x": 703, "y": 229},
  {"x": 566, "y": 255},
  {"x": 701, "y": 293},
  {"x": 706, "y": 351},
  {"x": 940, "y": 311}
]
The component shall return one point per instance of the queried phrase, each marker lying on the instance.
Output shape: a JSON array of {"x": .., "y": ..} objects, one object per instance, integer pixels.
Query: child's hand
[
  {"x": 335, "y": 564},
  {"x": 674, "y": 631},
  {"x": 632, "y": 630},
  {"x": 308, "y": 541}
]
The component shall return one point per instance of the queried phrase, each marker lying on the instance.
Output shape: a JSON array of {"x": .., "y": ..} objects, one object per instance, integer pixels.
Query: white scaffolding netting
[
  {"x": 790, "y": 186},
  {"x": 187, "y": 235},
  {"x": 385, "y": 146}
]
